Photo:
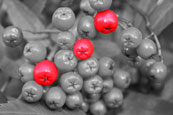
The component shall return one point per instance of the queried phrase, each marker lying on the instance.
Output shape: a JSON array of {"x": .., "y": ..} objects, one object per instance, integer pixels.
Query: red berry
[
  {"x": 106, "y": 21},
  {"x": 45, "y": 72},
  {"x": 83, "y": 49}
]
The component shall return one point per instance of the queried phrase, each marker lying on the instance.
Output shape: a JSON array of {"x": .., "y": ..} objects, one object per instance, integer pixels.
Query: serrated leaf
[
  {"x": 162, "y": 16},
  {"x": 18, "y": 107},
  {"x": 24, "y": 18},
  {"x": 106, "y": 48},
  {"x": 36, "y": 6},
  {"x": 140, "y": 104}
]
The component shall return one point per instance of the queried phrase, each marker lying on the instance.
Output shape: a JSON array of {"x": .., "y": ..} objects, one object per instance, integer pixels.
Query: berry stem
[
  {"x": 20, "y": 96},
  {"x": 122, "y": 26},
  {"x": 52, "y": 53},
  {"x": 122, "y": 22},
  {"x": 47, "y": 31},
  {"x": 158, "y": 46},
  {"x": 148, "y": 27},
  {"x": 145, "y": 17},
  {"x": 5, "y": 84}
]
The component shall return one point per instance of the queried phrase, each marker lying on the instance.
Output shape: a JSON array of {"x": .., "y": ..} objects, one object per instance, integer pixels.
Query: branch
[{"x": 148, "y": 27}]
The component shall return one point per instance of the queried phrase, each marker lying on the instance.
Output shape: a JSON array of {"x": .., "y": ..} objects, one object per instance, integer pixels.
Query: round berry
[
  {"x": 55, "y": 98},
  {"x": 63, "y": 18},
  {"x": 71, "y": 82},
  {"x": 98, "y": 108},
  {"x": 129, "y": 52},
  {"x": 26, "y": 72},
  {"x": 65, "y": 60},
  {"x": 106, "y": 67},
  {"x": 65, "y": 40},
  {"x": 45, "y": 72},
  {"x": 93, "y": 85},
  {"x": 100, "y": 5},
  {"x": 158, "y": 71},
  {"x": 88, "y": 68},
  {"x": 131, "y": 37},
  {"x": 122, "y": 79},
  {"x": 86, "y": 28},
  {"x": 83, "y": 49},
  {"x": 35, "y": 52},
  {"x": 74, "y": 101},
  {"x": 106, "y": 21},
  {"x": 114, "y": 98},
  {"x": 12, "y": 36},
  {"x": 86, "y": 7},
  {"x": 146, "y": 49},
  {"x": 31, "y": 91},
  {"x": 108, "y": 84}
]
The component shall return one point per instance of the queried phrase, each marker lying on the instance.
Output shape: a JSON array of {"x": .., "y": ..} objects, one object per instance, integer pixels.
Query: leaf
[
  {"x": 162, "y": 16},
  {"x": 36, "y": 6},
  {"x": 140, "y": 104},
  {"x": 24, "y": 18},
  {"x": 106, "y": 48},
  {"x": 10, "y": 67},
  {"x": 18, "y": 107}
]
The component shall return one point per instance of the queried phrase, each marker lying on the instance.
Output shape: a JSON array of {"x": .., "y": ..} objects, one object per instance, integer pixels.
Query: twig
[
  {"x": 43, "y": 31},
  {"x": 122, "y": 26},
  {"x": 128, "y": 23},
  {"x": 52, "y": 53},
  {"x": 148, "y": 27},
  {"x": 20, "y": 96},
  {"x": 158, "y": 47}
]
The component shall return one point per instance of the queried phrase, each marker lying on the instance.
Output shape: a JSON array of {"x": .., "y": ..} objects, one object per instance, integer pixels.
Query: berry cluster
[{"x": 68, "y": 74}]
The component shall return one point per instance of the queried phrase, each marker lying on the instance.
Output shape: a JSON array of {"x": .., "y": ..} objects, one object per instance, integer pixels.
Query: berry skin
[
  {"x": 145, "y": 69},
  {"x": 114, "y": 98},
  {"x": 129, "y": 52},
  {"x": 106, "y": 66},
  {"x": 106, "y": 21},
  {"x": 93, "y": 85},
  {"x": 26, "y": 72},
  {"x": 108, "y": 84},
  {"x": 131, "y": 37},
  {"x": 158, "y": 72},
  {"x": 65, "y": 60},
  {"x": 71, "y": 82},
  {"x": 32, "y": 92},
  {"x": 55, "y": 98},
  {"x": 88, "y": 68},
  {"x": 100, "y": 5},
  {"x": 84, "y": 107},
  {"x": 122, "y": 79},
  {"x": 86, "y": 28},
  {"x": 83, "y": 49},
  {"x": 86, "y": 7},
  {"x": 146, "y": 49},
  {"x": 12, "y": 36},
  {"x": 35, "y": 52},
  {"x": 65, "y": 40},
  {"x": 63, "y": 18},
  {"x": 45, "y": 72},
  {"x": 98, "y": 108},
  {"x": 74, "y": 101}
]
